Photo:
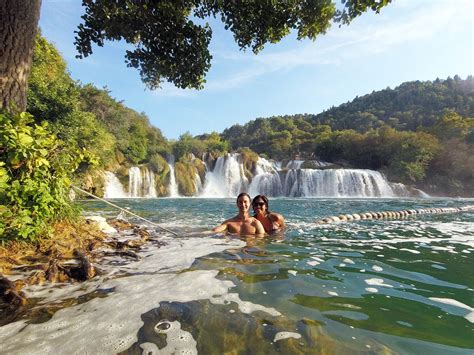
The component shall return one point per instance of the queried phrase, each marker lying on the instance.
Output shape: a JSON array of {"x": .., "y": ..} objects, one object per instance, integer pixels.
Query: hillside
[{"x": 407, "y": 107}]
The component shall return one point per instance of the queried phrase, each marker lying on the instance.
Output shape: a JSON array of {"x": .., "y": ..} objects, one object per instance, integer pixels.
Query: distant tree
[{"x": 169, "y": 45}]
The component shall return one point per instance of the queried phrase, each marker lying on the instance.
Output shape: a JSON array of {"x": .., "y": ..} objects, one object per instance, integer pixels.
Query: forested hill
[
  {"x": 410, "y": 106},
  {"x": 407, "y": 107}
]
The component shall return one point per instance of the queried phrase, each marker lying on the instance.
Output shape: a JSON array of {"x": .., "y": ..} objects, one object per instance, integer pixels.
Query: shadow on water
[{"x": 218, "y": 329}]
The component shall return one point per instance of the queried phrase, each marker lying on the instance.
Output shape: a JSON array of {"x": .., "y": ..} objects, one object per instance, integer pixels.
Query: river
[{"x": 370, "y": 286}]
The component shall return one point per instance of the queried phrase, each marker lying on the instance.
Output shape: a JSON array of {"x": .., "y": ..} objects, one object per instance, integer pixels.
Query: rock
[
  {"x": 102, "y": 224},
  {"x": 10, "y": 293}
]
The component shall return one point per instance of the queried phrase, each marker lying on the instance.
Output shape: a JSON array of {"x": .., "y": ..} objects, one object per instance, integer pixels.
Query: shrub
[{"x": 35, "y": 177}]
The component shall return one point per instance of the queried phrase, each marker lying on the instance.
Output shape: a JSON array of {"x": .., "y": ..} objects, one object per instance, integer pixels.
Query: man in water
[
  {"x": 243, "y": 223},
  {"x": 271, "y": 221}
]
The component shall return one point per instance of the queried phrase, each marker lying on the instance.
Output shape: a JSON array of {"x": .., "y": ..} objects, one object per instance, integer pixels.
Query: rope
[{"x": 124, "y": 210}]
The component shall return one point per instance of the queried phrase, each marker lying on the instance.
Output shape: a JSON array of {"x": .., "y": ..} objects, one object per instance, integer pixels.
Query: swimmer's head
[
  {"x": 242, "y": 194},
  {"x": 244, "y": 201},
  {"x": 260, "y": 202}
]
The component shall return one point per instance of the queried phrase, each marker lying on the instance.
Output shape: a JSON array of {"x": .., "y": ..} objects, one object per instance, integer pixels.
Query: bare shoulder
[
  {"x": 258, "y": 226},
  {"x": 276, "y": 217}
]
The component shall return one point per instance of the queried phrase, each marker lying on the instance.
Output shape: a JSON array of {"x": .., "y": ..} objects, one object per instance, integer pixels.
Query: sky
[{"x": 408, "y": 40}]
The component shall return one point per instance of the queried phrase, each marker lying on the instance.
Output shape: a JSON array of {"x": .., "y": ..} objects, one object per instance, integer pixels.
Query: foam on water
[
  {"x": 376, "y": 282},
  {"x": 178, "y": 341},
  {"x": 110, "y": 324},
  {"x": 286, "y": 335}
]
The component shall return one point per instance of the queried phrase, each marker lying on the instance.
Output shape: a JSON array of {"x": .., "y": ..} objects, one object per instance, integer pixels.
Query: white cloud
[
  {"x": 400, "y": 23},
  {"x": 418, "y": 22}
]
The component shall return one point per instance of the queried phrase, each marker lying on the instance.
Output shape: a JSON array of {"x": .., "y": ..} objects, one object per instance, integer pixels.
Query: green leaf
[{"x": 25, "y": 139}]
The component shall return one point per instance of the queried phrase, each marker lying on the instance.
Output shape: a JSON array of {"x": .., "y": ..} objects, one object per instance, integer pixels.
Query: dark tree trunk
[{"x": 18, "y": 26}]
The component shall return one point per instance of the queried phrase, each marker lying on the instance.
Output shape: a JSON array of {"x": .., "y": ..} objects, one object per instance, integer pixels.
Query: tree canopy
[{"x": 171, "y": 43}]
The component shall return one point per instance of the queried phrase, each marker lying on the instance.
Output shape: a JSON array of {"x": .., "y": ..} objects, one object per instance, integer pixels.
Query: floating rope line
[
  {"x": 392, "y": 214},
  {"x": 124, "y": 210}
]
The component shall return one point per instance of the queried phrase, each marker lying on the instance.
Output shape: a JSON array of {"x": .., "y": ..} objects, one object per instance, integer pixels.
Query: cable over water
[{"x": 124, "y": 210}]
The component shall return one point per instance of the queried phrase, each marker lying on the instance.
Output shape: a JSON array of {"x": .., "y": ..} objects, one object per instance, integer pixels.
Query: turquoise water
[
  {"x": 401, "y": 286},
  {"x": 374, "y": 286}
]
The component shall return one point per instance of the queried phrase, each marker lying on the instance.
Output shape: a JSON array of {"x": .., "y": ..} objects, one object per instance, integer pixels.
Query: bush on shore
[{"x": 35, "y": 177}]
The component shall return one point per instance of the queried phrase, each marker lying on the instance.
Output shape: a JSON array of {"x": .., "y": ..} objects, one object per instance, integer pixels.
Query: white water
[
  {"x": 113, "y": 186},
  {"x": 227, "y": 179},
  {"x": 141, "y": 182},
  {"x": 173, "y": 188},
  {"x": 109, "y": 325},
  {"x": 297, "y": 182},
  {"x": 335, "y": 183}
]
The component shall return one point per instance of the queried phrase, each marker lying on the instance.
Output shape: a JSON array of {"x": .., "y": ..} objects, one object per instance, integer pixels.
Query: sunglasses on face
[{"x": 259, "y": 204}]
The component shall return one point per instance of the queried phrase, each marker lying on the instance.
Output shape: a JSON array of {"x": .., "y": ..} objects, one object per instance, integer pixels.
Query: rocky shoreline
[{"x": 72, "y": 255}]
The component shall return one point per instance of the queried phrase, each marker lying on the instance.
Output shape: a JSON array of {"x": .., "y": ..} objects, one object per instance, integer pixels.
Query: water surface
[{"x": 372, "y": 286}]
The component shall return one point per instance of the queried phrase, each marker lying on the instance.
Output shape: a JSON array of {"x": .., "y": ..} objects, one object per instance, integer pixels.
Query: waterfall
[
  {"x": 266, "y": 180},
  {"x": 173, "y": 187},
  {"x": 227, "y": 179},
  {"x": 134, "y": 181},
  {"x": 149, "y": 189},
  {"x": 294, "y": 164},
  {"x": 335, "y": 183},
  {"x": 141, "y": 182},
  {"x": 197, "y": 183},
  {"x": 113, "y": 187},
  {"x": 293, "y": 181}
]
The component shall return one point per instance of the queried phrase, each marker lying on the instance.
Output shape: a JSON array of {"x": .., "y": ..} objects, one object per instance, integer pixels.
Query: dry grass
[{"x": 66, "y": 237}]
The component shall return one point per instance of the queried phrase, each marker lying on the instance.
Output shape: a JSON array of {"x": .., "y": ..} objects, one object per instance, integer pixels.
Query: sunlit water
[{"x": 371, "y": 286}]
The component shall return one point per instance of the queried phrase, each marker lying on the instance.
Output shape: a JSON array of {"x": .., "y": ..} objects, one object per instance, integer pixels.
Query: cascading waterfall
[
  {"x": 198, "y": 183},
  {"x": 266, "y": 180},
  {"x": 335, "y": 183},
  {"x": 113, "y": 186},
  {"x": 141, "y": 182},
  {"x": 227, "y": 179},
  {"x": 173, "y": 187},
  {"x": 296, "y": 182}
]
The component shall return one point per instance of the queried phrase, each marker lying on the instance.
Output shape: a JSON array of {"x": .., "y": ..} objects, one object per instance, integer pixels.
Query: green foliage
[
  {"x": 35, "y": 177},
  {"x": 452, "y": 125},
  {"x": 210, "y": 143},
  {"x": 136, "y": 140},
  {"x": 55, "y": 97},
  {"x": 170, "y": 46},
  {"x": 407, "y": 107},
  {"x": 185, "y": 170}
]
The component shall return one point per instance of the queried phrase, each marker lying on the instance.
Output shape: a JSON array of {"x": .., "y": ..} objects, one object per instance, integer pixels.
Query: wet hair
[
  {"x": 261, "y": 197},
  {"x": 244, "y": 194}
]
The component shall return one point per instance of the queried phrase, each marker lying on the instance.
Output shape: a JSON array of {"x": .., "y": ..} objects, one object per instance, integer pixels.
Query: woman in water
[
  {"x": 243, "y": 223},
  {"x": 271, "y": 221}
]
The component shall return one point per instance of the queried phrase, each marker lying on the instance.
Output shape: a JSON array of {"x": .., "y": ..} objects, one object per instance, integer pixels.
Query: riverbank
[{"x": 69, "y": 255}]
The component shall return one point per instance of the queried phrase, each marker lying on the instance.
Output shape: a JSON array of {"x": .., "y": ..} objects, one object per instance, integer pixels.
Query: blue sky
[{"x": 409, "y": 40}]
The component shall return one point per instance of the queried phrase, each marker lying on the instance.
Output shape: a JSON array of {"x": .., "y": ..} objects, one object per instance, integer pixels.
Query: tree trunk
[{"x": 18, "y": 26}]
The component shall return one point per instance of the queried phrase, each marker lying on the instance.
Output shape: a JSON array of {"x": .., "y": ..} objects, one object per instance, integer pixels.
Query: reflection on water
[{"x": 373, "y": 286}]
